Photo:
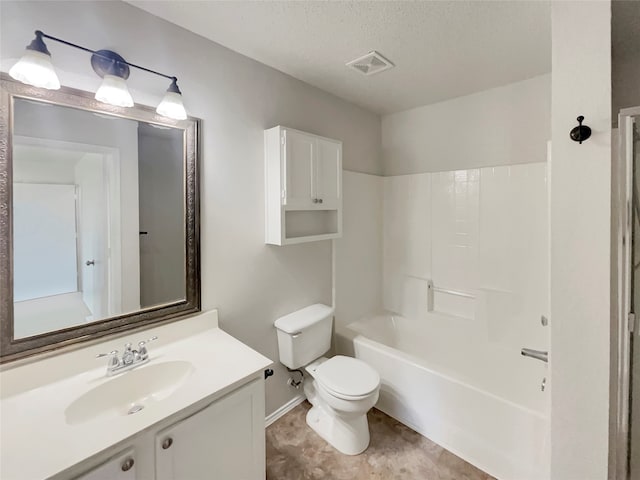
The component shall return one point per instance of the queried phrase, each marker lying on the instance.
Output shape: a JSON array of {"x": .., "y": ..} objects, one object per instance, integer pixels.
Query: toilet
[{"x": 343, "y": 389}]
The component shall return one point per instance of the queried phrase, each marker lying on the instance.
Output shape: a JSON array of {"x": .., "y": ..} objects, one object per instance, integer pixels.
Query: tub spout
[{"x": 537, "y": 354}]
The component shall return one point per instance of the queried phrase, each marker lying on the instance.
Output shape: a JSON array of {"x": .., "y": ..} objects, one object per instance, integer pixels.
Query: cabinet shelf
[
  {"x": 299, "y": 208},
  {"x": 311, "y": 238},
  {"x": 303, "y": 187},
  {"x": 310, "y": 223}
]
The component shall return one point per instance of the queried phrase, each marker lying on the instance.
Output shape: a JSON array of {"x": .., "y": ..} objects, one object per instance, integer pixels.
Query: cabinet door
[
  {"x": 328, "y": 170},
  {"x": 298, "y": 169},
  {"x": 224, "y": 441},
  {"x": 120, "y": 467}
]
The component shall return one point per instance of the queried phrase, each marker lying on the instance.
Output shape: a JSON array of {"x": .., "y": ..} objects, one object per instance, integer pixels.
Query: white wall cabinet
[
  {"x": 222, "y": 440},
  {"x": 299, "y": 165},
  {"x": 303, "y": 187}
]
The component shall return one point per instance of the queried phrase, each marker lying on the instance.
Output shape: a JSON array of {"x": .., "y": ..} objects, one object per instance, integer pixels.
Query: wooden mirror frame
[{"x": 11, "y": 348}]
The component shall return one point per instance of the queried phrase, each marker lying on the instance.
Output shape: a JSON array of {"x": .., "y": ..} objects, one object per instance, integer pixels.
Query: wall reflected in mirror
[{"x": 98, "y": 216}]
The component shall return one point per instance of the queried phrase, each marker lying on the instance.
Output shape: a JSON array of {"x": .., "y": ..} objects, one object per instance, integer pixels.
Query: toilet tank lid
[{"x": 300, "y": 319}]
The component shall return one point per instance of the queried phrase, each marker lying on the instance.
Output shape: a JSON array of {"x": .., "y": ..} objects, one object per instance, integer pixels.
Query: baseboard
[{"x": 287, "y": 407}]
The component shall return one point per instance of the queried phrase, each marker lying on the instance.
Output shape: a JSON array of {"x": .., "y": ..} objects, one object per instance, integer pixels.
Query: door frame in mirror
[{"x": 12, "y": 348}]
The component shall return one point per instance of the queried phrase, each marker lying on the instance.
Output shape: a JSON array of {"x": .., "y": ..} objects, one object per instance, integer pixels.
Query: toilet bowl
[{"x": 341, "y": 389}]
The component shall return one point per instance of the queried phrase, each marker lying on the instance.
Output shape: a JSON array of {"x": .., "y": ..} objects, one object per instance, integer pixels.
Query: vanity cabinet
[
  {"x": 222, "y": 440},
  {"x": 225, "y": 440},
  {"x": 303, "y": 187},
  {"x": 120, "y": 467}
]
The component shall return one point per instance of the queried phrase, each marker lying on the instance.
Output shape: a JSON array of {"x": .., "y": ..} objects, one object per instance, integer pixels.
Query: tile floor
[{"x": 295, "y": 452}]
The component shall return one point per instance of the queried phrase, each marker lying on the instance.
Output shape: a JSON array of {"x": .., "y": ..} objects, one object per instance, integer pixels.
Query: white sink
[{"x": 130, "y": 392}]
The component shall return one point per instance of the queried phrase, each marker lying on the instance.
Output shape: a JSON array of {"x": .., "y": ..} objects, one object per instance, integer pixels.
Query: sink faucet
[{"x": 130, "y": 358}]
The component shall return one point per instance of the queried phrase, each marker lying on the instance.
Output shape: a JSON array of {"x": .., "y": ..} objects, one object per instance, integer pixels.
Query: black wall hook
[{"x": 581, "y": 132}]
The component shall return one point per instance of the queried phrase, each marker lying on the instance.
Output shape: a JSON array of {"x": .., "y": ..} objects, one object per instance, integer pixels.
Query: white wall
[
  {"x": 580, "y": 177},
  {"x": 407, "y": 243},
  {"x": 41, "y": 165},
  {"x": 358, "y": 254},
  {"x": 44, "y": 225},
  {"x": 251, "y": 283},
  {"x": 502, "y": 126},
  {"x": 483, "y": 232}
]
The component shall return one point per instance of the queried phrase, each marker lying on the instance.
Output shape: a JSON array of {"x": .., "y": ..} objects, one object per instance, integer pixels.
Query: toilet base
[{"x": 347, "y": 435}]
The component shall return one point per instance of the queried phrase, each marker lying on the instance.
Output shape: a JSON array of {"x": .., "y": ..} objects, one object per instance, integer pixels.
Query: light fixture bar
[
  {"x": 95, "y": 52},
  {"x": 35, "y": 68}
]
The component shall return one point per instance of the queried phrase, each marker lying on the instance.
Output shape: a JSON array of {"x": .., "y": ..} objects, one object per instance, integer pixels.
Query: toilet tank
[{"x": 304, "y": 335}]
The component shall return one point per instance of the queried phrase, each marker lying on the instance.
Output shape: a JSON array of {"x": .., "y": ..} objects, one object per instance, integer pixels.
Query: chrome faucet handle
[
  {"x": 128, "y": 356},
  {"x": 113, "y": 361},
  {"x": 142, "y": 347}
]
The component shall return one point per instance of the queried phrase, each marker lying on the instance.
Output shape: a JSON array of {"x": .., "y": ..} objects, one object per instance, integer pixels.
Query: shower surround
[{"x": 465, "y": 284}]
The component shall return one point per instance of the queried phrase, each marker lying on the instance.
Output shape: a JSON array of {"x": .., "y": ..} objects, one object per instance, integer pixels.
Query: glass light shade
[
  {"x": 114, "y": 91},
  {"x": 35, "y": 68},
  {"x": 171, "y": 106}
]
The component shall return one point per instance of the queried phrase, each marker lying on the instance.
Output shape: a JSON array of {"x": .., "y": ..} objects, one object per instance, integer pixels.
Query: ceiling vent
[{"x": 370, "y": 64}]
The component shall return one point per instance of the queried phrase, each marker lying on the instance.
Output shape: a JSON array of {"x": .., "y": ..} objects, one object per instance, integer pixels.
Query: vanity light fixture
[
  {"x": 114, "y": 71},
  {"x": 171, "y": 105},
  {"x": 35, "y": 68}
]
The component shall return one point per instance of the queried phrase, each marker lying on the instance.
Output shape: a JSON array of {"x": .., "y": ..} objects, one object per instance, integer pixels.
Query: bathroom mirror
[{"x": 99, "y": 218}]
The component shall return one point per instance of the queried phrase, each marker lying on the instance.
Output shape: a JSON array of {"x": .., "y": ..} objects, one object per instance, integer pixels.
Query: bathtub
[{"x": 483, "y": 404}]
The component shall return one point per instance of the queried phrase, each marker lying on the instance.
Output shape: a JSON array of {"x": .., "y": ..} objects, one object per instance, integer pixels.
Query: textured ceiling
[{"x": 441, "y": 49}]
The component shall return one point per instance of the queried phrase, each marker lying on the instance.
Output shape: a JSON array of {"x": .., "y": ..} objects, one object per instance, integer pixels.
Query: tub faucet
[{"x": 537, "y": 354}]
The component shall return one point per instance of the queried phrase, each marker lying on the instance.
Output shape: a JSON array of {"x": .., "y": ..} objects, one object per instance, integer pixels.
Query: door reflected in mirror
[{"x": 98, "y": 216}]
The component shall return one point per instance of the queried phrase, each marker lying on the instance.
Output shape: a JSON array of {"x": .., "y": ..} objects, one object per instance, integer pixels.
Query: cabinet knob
[
  {"x": 166, "y": 443},
  {"x": 127, "y": 464},
  {"x": 315, "y": 200},
  {"x": 319, "y": 200}
]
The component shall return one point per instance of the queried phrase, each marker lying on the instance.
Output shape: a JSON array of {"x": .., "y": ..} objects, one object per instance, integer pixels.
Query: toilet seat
[{"x": 347, "y": 378}]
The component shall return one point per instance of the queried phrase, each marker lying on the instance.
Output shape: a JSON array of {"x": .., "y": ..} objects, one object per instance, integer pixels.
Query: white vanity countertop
[{"x": 37, "y": 442}]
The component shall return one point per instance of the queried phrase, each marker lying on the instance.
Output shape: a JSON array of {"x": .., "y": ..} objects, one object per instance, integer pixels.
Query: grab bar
[
  {"x": 431, "y": 289},
  {"x": 537, "y": 354},
  {"x": 451, "y": 292}
]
